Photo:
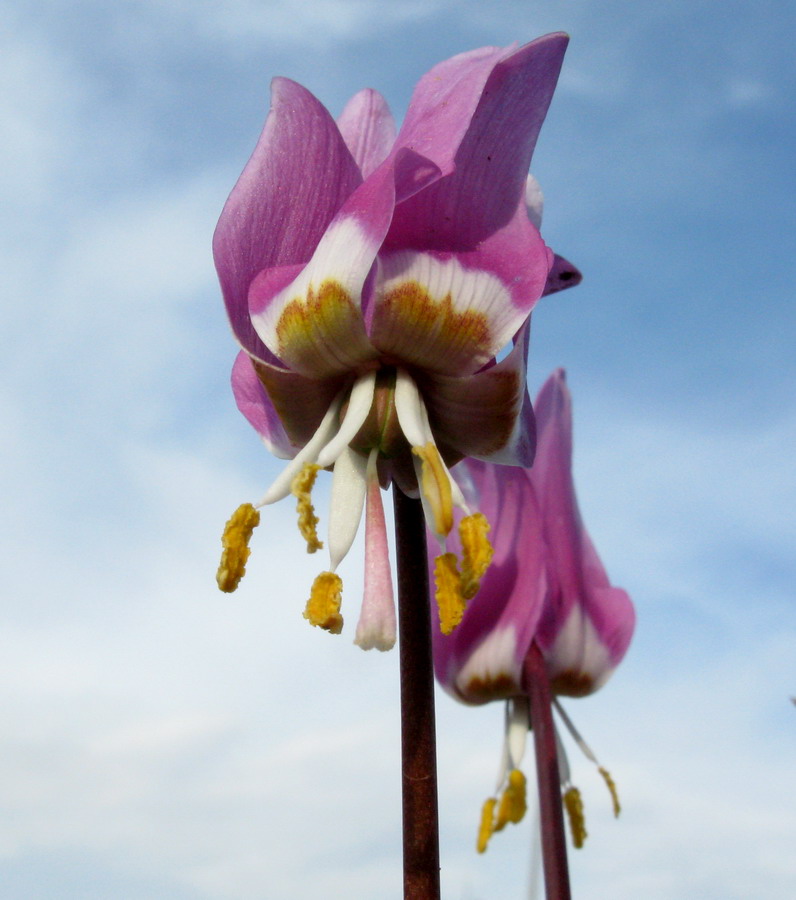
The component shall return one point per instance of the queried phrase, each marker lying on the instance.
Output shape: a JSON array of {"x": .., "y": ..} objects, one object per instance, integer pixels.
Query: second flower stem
[
  {"x": 551, "y": 814},
  {"x": 418, "y": 736}
]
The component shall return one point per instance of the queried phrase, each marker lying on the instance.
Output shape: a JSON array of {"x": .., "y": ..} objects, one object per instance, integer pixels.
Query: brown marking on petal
[
  {"x": 490, "y": 407},
  {"x": 431, "y": 333},
  {"x": 492, "y": 687},
  {"x": 572, "y": 684},
  {"x": 299, "y": 402},
  {"x": 313, "y": 327}
]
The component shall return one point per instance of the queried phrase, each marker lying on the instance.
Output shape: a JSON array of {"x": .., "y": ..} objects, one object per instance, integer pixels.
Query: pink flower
[
  {"x": 546, "y": 585},
  {"x": 371, "y": 280}
]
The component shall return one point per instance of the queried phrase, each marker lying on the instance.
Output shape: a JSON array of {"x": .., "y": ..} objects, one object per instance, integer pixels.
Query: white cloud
[
  {"x": 39, "y": 97},
  {"x": 317, "y": 23}
]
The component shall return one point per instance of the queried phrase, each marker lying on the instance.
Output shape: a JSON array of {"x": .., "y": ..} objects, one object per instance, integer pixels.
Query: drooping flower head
[
  {"x": 371, "y": 279},
  {"x": 546, "y": 586}
]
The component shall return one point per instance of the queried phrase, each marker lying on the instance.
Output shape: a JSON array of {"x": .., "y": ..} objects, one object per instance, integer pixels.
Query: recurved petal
[
  {"x": 487, "y": 415},
  {"x": 314, "y": 323},
  {"x": 441, "y": 108},
  {"x": 257, "y": 407},
  {"x": 491, "y": 282},
  {"x": 368, "y": 128},
  {"x": 491, "y": 164},
  {"x": 298, "y": 177}
]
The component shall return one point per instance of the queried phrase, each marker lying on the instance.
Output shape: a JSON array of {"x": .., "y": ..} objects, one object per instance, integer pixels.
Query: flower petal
[
  {"x": 256, "y": 406},
  {"x": 488, "y": 415},
  {"x": 298, "y": 177},
  {"x": 552, "y": 478},
  {"x": 581, "y": 655},
  {"x": 482, "y": 659},
  {"x": 598, "y": 618},
  {"x": 479, "y": 210},
  {"x": 368, "y": 128},
  {"x": 493, "y": 158},
  {"x": 534, "y": 201},
  {"x": 561, "y": 276},
  {"x": 511, "y": 251},
  {"x": 432, "y": 312},
  {"x": 314, "y": 323},
  {"x": 441, "y": 108},
  {"x": 299, "y": 402}
]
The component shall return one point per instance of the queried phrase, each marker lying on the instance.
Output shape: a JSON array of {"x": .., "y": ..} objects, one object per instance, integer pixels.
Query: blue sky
[{"x": 163, "y": 740}]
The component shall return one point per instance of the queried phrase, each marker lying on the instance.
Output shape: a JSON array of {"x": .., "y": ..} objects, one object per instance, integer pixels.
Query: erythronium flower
[
  {"x": 546, "y": 585},
  {"x": 371, "y": 280}
]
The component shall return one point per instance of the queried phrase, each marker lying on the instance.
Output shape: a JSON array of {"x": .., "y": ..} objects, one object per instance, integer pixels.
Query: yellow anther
[
  {"x": 573, "y": 804},
  {"x": 476, "y": 552},
  {"x": 449, "y": 592},
  {"x": 512, "y": 802},
  {"x": 612, "y": 788},
  {"x": 436, "y": 487},
  {"x": 235, "y": 540},
  {"x": 323, "y": 607},
  {"x": 301, "y": 488},
  {"x": 487, "y": 827}
]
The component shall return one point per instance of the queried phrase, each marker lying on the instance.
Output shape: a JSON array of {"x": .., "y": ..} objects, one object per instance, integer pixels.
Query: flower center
[{"x": 381, "y": 416}]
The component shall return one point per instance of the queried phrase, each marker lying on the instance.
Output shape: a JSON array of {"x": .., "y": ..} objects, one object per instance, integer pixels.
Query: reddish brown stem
[
  {"x": 418, "y": 738},
  {"x": 551, "y": 815}
]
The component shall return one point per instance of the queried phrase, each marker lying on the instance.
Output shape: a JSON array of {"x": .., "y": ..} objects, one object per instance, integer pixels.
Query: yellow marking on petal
[
  {"x": 573, "y": 804},
  {"x": 449, "y": 592},
  {"x": 436, "y": 487},
  {"x": 301, "y": 488},
  {"x": 323, "y": 607},
  {"x": 476, "y": 552},
  {"x": 512, "y": 802},
  {"x": 235, "y": 540},
  {"x": 612, "y": 789},
  {"x": 317, "y": 323},
  {"x": 487, "y": 827},
  {"x": 428, "y": 331}
]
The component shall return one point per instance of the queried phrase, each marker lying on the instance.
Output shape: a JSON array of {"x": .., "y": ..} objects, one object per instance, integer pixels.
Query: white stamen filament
[
  {"x": 413, "y": 422},
  {"x": 349, "y": 486},
  {"x": 585, "y": 748},
  {"x": 515, "y": 738},
  {"x": 564, "y": 772},
  {"x": 410, "y": 411},
  {"x": 518, "y": 725},
  {"x": 308, "y": 453},
  {"x": 359, "y": 403}
]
